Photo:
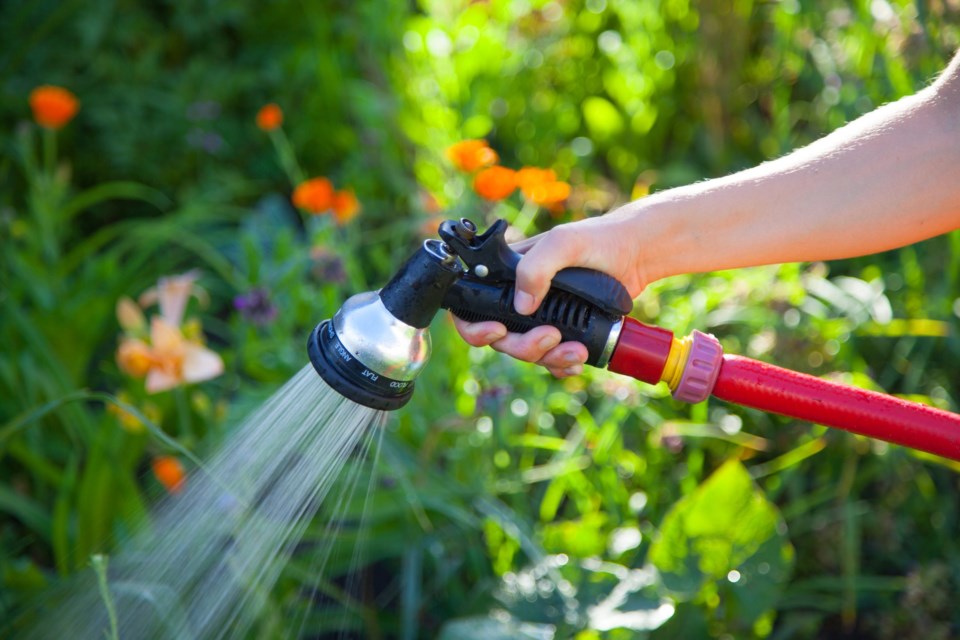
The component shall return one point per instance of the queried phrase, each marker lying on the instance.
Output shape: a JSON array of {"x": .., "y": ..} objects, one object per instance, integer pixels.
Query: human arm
[{"x": 886, "y": 180}]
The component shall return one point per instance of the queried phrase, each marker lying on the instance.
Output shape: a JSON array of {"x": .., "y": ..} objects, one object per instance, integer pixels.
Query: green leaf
[
  {"x": 28, "y": 511},
  {"x": 603, "y": 119},
  {"x": 581, "y": 538},
  {"x": 113, "y": 191},
  {"x": 726, "y": 531},
  {"x": 60, "y": 524}
]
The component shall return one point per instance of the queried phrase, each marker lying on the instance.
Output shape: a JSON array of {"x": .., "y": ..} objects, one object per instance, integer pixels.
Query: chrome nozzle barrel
[{"x": 377, "y": 342}]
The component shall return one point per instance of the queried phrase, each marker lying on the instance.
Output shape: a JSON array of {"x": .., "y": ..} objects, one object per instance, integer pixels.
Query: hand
[{"x": 607, "y": 243}]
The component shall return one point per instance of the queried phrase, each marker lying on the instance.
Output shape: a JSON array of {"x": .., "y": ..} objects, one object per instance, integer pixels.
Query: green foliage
[
  {"x": 726, "y": 529},
  {"x": 503, "y": 503}
]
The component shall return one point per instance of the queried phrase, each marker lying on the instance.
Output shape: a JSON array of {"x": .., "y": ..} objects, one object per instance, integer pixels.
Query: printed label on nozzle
[
  {"x": 341, "y": 350},
  {"x": 343, "y": 353},
  {"x": 352, "y": 372}
]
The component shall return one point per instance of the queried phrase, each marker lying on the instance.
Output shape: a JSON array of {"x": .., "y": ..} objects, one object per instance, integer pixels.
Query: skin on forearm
[{"x": 888, "y": 179}]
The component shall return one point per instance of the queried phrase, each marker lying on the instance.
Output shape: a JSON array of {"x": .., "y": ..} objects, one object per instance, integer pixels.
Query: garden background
[{"x": 506, "y": 503}]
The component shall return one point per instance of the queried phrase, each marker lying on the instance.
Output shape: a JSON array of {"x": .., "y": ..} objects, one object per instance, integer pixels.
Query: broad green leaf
[{"x": 727, "y": 532}]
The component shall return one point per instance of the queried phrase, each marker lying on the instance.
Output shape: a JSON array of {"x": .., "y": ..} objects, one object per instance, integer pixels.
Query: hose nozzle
[{"x": 377, "y": 343}]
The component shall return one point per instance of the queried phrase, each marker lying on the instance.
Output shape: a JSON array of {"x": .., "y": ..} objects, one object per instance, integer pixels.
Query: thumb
[{"x": 553, "y": 251}]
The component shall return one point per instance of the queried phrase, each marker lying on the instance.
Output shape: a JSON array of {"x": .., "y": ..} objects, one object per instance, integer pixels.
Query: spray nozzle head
[{"x": 375, "y": 345}]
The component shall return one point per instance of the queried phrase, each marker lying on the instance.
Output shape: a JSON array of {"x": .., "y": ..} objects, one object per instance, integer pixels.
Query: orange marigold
[
  {"x": 529, "y": 177},
  {"x": 548, "y": 193},
  {"x": 170, "y": 473},
  {"x": 345, "y": 206},
  {"x": 314, "y": 195},
  {"x": 470, "y": 155},
  {"x": 270, "y": 117},
  {"x": 495, "y": 183},
  {"x": 53, "y": 107}
]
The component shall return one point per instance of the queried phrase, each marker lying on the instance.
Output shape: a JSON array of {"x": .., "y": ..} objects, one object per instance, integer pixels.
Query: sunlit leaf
[{"x": 725, "y": 532}]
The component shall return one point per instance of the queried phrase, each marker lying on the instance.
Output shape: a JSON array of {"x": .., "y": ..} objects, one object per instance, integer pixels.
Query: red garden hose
[{"x": 696, "y": 368}]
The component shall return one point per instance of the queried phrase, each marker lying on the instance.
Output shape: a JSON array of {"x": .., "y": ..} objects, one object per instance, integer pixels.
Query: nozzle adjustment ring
[
  {"x": 350, "y": 377},
  {"x": 701, "y": 368}
]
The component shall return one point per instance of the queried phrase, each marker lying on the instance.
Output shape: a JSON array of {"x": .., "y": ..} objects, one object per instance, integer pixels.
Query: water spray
[{"x": 374, "y": 347}]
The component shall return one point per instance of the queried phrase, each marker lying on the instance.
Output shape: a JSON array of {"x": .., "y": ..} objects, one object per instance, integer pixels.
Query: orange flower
[
  {"x": 134, "y": 357},
  {"x": 541, "y": 186},
  {"x": 529, "y": 177},
  {"x": 548, "y": 193},
  {"x": 314, "y": 195},
  {"x": 53, "y": 107},
  {"x": 270, "y": 117},
  {"x": 170, "y": 473},
  {"x": 470, "y": 155},
  {"x": 169, "y": 360},
  {"x": 167, "y": 354},
  {"x": 345, "y": 206},
  {"x": 176, "y": 360},
  {"x": 495, "y": 183}
]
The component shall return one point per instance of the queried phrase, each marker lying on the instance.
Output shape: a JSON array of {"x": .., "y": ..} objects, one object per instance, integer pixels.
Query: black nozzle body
[{"x": 415, "y": 293}]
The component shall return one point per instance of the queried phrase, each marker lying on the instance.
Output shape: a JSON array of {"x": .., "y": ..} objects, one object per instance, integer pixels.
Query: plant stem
[
  {"x": 288, "y": 159},
  {"x": 49, "y": 152},
  {"x": 99, "y": 564},
  {"x": 524, "y": 219},
  {"x": 45, "y": 194}
]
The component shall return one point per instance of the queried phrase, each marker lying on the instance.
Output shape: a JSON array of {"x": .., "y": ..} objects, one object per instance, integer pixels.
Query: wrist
[{"x": 657, "y": 233}]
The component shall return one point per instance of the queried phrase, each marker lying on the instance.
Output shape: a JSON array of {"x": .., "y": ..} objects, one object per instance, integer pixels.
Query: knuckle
[
  {"x": 474, "y": 341},
  {"x": 526, "y": 351},
  {"x": 527, "y": 355}
]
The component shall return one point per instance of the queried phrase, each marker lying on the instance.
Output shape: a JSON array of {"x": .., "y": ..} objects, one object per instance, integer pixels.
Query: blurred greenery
[{"x": 506, "y": 504}]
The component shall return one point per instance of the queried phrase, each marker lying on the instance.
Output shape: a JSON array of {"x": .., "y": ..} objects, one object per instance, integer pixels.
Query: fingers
[
  {"x": 479, "y": 334},
  {"x": 565, "y": 360},
  {"x": 541, "y": 345},
  {"x": 531, "y": 346},
  {"x": 558, "y": 249}
]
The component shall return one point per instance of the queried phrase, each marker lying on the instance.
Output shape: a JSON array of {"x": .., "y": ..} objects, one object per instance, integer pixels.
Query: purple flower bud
[{"x": 255, "y": 307}]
